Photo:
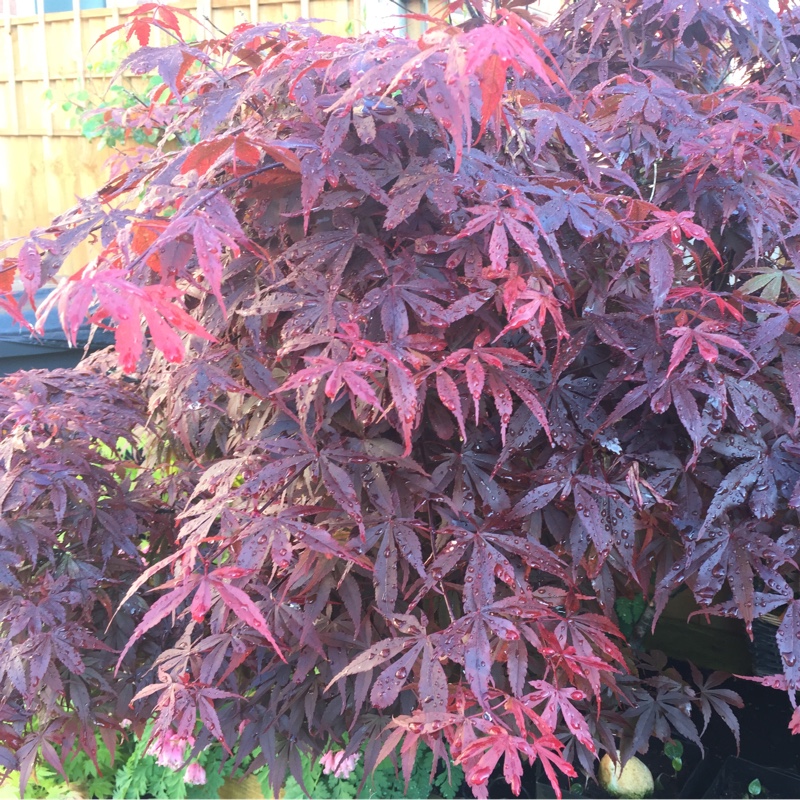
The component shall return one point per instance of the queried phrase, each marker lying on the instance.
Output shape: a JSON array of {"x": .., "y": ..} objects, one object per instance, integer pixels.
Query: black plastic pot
[
  {"x": 737, "y": 774},
  {"x": 20, "y": 350}
]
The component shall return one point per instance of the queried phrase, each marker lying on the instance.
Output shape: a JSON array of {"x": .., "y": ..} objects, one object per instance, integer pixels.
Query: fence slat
[
  {"x": 203, "y": 15},
  {"x": 8, "y": 44},
  {"x": 47, "y": 113},
  {"x": 77, "y": 33}
]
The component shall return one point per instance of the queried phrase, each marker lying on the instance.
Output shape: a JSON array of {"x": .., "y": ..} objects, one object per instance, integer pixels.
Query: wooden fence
[
  {"x": 45, "y": 164},
  {"x": 44, "y": 59}
]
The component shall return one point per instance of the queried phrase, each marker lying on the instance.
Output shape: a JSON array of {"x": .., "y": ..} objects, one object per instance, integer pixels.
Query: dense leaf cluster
[{"x": 440, "y": 348}]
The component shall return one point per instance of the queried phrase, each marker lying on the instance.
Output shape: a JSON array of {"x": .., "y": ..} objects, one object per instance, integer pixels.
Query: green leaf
[
  {"x": 448, "y": 785},
  {"x": 624, "y": 610},
  {"x": 768, "y": 281},
  {"x": 291, "y": 790},
  {"x": 92, "y": 127},
  {"x": 792, "y": 281},
  {"x": 673, "y": 749}
]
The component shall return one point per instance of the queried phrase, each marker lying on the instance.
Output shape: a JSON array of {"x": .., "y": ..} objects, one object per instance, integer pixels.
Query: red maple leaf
[
  {"x": 708, "y": 342},
  {"x": 676, "y": 224},
  {"x": 794, "y": 723}
]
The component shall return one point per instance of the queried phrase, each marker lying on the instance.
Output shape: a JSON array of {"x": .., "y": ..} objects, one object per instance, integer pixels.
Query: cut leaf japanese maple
[{"x": 428, "y": 353}]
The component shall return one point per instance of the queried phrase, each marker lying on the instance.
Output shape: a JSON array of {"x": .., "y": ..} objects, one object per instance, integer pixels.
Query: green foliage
[
  {"x": 92, "y": 114},
  {"x": 754, "y": 788},
  {"x": 673, "y": 750},
  {"x": 386, "y": 782},
  {"x": 629, "y": 612},
  {"x": 82, "y": 774},
  {"x": 134, "y": 774},
  {"x": 100, "y": 110},
  {"x": 138, "y": 775}
]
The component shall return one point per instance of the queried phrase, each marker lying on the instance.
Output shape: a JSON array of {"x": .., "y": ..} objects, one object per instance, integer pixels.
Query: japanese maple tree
[{"x": 427, "y": 354}]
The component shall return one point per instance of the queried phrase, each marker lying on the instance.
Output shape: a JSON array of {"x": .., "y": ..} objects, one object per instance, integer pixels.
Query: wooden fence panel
[
  {"x": 44, "y": 162},
  {"x": 41, "y": 177}
]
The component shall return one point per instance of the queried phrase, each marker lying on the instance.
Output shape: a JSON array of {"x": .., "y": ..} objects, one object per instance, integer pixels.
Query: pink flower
[
  {"x": 348, "y": 764},
  {"x": 195, "y": 774},
  {"x": 170, "y": 750},
  {"x": 336, "y": 764},
  {"x": 327, "y": 762}
]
